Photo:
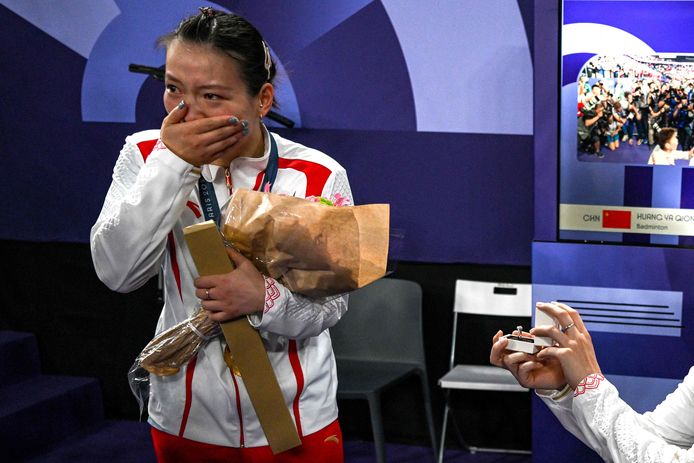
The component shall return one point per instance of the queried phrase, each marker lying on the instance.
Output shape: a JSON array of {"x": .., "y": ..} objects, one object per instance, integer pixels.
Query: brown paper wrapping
[
  {"x": 310, "y": 248},
  {"x": 171, "y": 349}
]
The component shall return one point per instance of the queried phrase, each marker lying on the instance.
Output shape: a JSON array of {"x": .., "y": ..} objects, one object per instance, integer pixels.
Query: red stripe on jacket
[
  {"x": 146, "y": 147},
  {"x": 238, "y": 408},
  {"x": 189, "y": 394},
  {"x": 174, "y": 262},
  {"x": 299, "y": 375},
  {"x": 316, "y": 174},
  {"x": 195, "y": 208}
]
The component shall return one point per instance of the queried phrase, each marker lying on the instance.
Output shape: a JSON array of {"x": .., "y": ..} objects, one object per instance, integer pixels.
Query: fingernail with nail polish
[
  {"x": 181, "y": 104},
  {"x": 233, "y": 120},
  {"x": 244, "y": 124}
]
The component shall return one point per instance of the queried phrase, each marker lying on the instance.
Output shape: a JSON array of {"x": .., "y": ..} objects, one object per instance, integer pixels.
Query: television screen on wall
[{"x": 625, "y": 121}]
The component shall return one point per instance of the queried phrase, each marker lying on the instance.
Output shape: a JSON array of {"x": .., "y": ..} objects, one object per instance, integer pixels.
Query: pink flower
[{"x": 340, "y": 200}]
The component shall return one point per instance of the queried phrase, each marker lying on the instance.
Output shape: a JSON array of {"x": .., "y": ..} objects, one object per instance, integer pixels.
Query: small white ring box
[
  {"x": 531, "y": 345},
  {"x": 521, "y": 344}
]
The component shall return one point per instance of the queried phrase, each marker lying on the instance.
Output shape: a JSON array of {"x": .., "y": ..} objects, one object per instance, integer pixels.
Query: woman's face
[{"x": 210, "y": 83}]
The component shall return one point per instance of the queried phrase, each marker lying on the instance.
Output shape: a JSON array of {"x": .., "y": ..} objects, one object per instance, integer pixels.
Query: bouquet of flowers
[
  {"x": 311, "y": 249},
  {"x": 309, "y": 245}
]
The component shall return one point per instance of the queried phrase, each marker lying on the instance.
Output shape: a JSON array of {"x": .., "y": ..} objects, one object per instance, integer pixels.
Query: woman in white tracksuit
[{"x": 219, "y": 75}]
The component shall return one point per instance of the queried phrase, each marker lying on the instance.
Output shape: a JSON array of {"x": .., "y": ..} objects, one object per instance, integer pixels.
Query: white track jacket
[{"x": 152, "y": 198}]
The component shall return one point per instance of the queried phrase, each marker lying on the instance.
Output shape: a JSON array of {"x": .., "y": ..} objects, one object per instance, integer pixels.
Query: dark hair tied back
[{"x": 232, "y": 35}]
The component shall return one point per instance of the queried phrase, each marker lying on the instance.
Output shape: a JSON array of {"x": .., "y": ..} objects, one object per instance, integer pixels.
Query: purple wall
[{"x": 356, "y": 83}]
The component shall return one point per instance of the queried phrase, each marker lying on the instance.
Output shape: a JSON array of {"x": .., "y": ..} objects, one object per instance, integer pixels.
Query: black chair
[{"x": 379, "y": 343}]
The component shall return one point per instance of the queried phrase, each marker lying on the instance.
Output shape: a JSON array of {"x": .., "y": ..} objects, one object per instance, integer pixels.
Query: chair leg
[
  {"x": 429, "y": 413},
  {"x": 442, "y": 447},
  {"x": 456, "y": 428},
  {"x": 459, "y": 435},
  {"x": 377, "y": 426}
]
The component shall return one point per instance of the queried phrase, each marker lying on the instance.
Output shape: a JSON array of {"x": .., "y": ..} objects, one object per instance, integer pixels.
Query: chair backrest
[
  {"x": 498, "y": 299},
  {"x": 480, "y": 298},
  {"x": 383, "y": 322}
]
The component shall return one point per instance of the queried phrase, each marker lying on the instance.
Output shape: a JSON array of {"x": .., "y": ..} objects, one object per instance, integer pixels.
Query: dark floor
[
  {"x": 363, "y": 452},
  {"x": 130, "y": 442}
]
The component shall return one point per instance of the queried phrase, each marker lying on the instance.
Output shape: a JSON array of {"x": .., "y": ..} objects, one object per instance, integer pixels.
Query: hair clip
[
  {"x": 268, "y": 59},
  {"x": 208, "y": 11}
]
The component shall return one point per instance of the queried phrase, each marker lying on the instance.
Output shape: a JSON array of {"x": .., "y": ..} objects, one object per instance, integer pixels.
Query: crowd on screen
[{"x": 626, "y": 100}]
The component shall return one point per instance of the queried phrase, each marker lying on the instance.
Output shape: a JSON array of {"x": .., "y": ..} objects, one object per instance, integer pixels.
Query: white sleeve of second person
[
  {"x": 292, "y": 314},
  {"x": 142, "y": 206},
  {"x": 560, "y": 404},
  {"x": 617, "y": 433},
  {"x": 679, "y": 154}
]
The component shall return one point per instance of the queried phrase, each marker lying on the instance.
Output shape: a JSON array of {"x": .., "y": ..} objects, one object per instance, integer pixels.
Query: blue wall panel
[{"x": 632, "y": 358}]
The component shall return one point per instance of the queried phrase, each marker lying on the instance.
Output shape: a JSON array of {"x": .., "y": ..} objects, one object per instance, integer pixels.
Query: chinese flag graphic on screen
[{"x": 616, "y": 219}]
